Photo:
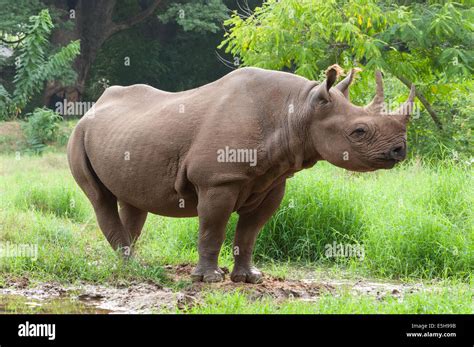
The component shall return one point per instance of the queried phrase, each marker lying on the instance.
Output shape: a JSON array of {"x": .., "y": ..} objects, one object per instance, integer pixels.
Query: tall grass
[{"x": 415, "y": 220}]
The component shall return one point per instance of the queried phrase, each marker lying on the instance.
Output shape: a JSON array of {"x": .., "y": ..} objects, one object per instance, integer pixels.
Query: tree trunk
[
  {"x": 93, "y": 26},
  {"x": 425, "y": 102},
  {"x": 93, "y": 21}
]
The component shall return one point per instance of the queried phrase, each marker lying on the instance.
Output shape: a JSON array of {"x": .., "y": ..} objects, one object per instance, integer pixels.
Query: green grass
[{"x": 428, "y": 302}]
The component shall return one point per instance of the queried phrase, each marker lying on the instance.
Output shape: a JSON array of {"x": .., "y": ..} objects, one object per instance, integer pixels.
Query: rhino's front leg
[
  {"x": 248, "y": 227},
  {"x": 215, "y": 205}
]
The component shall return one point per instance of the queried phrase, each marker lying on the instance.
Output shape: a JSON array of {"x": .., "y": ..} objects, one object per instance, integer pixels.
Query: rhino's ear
[{"x": 322, "y": 92}]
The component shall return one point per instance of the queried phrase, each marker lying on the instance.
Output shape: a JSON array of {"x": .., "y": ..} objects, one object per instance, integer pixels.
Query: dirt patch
[
  {"x": 11, "y": 129},
  {"x": 136, "y": 298},
  {"x": 144, "y": 297},
  {"x": 273, "y": 287},
  {"x": 379, "y": 290}
]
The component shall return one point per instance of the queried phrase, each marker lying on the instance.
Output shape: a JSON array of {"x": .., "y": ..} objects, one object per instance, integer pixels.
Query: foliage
[
  {"x": 33, "y": 66},
  {"x": 143, "y": 63},
  {"x": 184, "y": 71},
  {"x": 14, "y": 14},
  {"x": 307, "y": 35},
  {"x": 428, "y": 43},
  {"x": 199, "y": 15},
  {"x": 456, "y": 141},
  {"x": 177, "y": 61},
  {"x": 41, "y": 128}
]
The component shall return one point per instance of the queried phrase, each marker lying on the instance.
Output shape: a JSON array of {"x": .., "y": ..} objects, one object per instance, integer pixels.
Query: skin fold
[{"x": 141, "y": 150}]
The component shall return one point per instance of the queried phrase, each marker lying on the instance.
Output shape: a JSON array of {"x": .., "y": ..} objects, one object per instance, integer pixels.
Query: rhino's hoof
[
  {"x": 248, "y": 275},
  {"x": 208, "y": 276}
]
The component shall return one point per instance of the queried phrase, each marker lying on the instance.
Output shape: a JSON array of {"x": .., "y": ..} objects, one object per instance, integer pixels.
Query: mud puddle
[
  {"x": 19, "y": 296},
  {"x": 87, "y": 298},
  {"x": 13, "y": 304}
]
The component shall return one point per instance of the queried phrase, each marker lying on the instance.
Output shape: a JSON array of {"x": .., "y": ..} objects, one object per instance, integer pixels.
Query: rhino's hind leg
[
  {"x": 103, "y": 201},
  {"x": 248, "y": 227},
  {"x": 214, "y": 209},
  {"x": 132, "y": 219}
]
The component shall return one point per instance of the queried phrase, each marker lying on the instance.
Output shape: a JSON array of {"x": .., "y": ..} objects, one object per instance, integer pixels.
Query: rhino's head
[{"x": 354, "y": 137}]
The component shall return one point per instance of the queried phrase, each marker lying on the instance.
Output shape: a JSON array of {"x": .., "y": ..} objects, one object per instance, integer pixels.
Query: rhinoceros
[{"x": 228, "y": 146}]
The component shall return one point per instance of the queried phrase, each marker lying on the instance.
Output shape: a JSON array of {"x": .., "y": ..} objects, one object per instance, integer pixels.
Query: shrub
[{"x": 41, "y": 128}]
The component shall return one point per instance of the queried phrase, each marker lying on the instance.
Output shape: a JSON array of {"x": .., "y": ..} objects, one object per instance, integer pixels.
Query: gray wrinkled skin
[{"x": 152, "y": 151}]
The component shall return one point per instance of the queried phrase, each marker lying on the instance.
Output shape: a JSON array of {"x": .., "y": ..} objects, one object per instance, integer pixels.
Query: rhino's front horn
[
  {"x": 406, "y": 109},
  {"x": 376, "y": 106}
]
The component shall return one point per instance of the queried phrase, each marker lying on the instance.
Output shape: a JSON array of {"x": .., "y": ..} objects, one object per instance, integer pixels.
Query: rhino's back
[{"x": 242, "y": 88}]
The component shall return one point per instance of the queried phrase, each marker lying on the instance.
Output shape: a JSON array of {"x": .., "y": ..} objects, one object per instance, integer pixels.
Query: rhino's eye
[{"x": 358, "y": 132}]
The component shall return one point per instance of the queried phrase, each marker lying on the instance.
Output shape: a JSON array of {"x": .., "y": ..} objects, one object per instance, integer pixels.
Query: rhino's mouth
[
  {"x": 389, "y": 163},
  {"x": 385, "y": 163}
]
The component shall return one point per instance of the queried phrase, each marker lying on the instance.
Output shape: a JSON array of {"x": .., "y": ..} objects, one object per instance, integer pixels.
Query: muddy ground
[{"x": 19, "y": 295}]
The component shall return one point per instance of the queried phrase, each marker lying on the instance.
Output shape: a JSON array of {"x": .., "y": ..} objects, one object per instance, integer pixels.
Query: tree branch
[
  {"x": 12, "y": 42},
  {"x": 116, "y": 27},
  {"x": 425, "y": 102}
]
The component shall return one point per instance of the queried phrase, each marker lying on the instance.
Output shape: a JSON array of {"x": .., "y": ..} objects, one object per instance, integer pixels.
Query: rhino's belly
[
  {"x": 168, "y": 206},
  {"x": 153, "y": 193}
]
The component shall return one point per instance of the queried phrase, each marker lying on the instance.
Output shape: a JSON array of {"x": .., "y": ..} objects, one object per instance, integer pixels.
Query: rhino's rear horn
[{"x": 406, "y": 109}]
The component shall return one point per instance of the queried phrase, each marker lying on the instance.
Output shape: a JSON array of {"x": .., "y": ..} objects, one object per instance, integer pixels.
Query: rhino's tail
[{"x": 81, "y": 167}]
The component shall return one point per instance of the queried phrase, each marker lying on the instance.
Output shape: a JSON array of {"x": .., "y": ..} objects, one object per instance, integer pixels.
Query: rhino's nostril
[
  {"x": 397, "y": 149},
  {"x": 397, "y": 153}
]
